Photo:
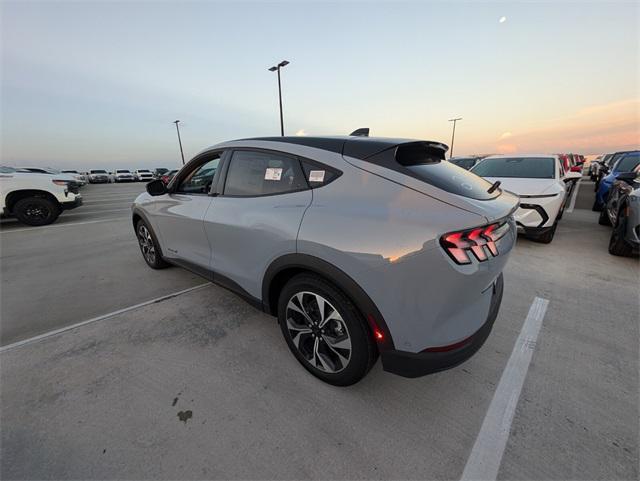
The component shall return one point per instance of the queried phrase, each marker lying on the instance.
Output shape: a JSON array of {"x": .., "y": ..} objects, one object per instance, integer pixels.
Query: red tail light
[{"x": 481, "y": 241}]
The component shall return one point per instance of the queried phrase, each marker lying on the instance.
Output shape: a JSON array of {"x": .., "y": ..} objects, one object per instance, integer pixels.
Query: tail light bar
[{"x": 481, "y": 241}]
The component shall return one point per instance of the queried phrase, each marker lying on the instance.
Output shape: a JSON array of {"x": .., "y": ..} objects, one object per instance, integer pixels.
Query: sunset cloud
[{"x": 593, "y": 129}]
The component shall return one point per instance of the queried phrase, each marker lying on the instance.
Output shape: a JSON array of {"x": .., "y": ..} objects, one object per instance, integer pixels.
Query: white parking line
[
  {"x": 99, "y": 318},
  {"x": 573, "y": 197},
  {"x": 486, "y": 455},
  {"x": 82, "y": 212},
  {"x": 32, "y": 229}
]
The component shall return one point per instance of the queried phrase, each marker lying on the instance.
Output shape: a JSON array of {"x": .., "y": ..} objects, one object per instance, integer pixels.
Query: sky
[{"x": 98, "y": 84}]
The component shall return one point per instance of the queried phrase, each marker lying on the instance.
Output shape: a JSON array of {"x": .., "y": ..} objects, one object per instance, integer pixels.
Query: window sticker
[
  {"x": 316, "y": 176},
  {"x": 272, "y": 173}
]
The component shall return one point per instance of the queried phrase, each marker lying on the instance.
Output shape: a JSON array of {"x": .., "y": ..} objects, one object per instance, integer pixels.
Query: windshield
[
  {"x": 122, "y": 172},
  {"x": 143, "y": 170},
  {"x": 464, "y": 163},
  {"x": 628, "y": 162},
  {"x": 517, "y": 167},
  {"x": 69, "y": 171},
  {"x": 6, "y": 170},
  {"x": 98, "y": 171}
]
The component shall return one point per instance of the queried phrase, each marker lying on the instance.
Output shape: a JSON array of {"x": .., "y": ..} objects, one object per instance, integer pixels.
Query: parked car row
[
  {"x": 618, "y": 200},
  {"x": 99, "y": 176}
]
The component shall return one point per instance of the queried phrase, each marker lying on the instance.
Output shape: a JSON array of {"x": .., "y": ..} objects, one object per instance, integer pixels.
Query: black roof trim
[{"x": 357, "y": 147}]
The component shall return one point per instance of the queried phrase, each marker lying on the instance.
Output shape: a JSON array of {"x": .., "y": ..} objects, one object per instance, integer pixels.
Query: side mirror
[{"x": 156, "y": 187}]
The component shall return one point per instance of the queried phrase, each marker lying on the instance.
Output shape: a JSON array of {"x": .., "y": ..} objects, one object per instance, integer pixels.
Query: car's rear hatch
[{"x": 421, "y": 166}]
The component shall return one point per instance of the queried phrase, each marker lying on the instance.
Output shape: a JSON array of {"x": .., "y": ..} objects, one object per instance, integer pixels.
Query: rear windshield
[
  {"x": 427, "y": 163},
  {"x": 123, "y": 172},
  {"x": 628, "y": 162},
  {"x": 517, "y": 167},
  {"x": 98, "y": 171},
  {"x": 143, "y": 170}
]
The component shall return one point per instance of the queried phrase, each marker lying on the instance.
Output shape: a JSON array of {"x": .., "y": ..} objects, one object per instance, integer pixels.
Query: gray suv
[{"x": 362, "y": 247}]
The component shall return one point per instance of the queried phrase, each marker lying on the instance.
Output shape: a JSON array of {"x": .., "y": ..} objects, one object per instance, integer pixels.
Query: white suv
[
  {"x": 36, "y": 199},
  {"x": 143, "y": 175},
  {"x": 541, "y": 183},
  {"x": 122, "y": 175}
]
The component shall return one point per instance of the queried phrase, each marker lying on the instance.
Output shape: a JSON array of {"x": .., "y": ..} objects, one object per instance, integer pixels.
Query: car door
[
  {"x": 179, "y": 215},
  {"x": 256, "y": 216}
]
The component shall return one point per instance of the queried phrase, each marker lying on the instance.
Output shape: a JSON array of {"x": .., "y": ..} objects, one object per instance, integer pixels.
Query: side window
[
  {"x": 254, "y": 173},
  {"x": 199, "y": 180},
  {"x": 318, "y": 174}
]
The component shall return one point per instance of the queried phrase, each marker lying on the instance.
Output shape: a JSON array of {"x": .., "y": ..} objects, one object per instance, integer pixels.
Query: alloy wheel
[
  {"x": 36, "y": 211},
  {"x": 146, "y": 244},
  {"x": 318, "y": 332}
]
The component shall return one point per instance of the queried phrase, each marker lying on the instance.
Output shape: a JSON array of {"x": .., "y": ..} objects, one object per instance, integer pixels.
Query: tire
[
  {"x": 617, "y": 245},
  {"x": 603, "y": 218},
  {"x": 597, "y": 207},
  {"x": 36, "y": 211},
  {"x": 325, "y": 353},
  {"x": 149, "y": 246},
  {"x": 547, "y": 237}
]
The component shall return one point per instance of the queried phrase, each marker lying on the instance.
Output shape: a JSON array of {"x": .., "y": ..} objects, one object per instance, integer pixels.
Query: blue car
[{"x": 626, "y": 163}]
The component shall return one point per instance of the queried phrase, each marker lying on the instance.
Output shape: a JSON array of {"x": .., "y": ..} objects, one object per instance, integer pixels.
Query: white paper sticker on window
[
  {"x": 272, "y": 173},
  {"x": 316, "y": 176}
]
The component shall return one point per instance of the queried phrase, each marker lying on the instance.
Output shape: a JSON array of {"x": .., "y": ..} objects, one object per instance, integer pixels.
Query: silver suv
[{"x": 360, "y": 246}]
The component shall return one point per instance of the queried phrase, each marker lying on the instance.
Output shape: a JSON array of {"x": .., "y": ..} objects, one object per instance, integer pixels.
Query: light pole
[
  {"x": 453, "y": 135},
  {"x": 179, "y": 140},
  {"x": 276, "y": 68}
]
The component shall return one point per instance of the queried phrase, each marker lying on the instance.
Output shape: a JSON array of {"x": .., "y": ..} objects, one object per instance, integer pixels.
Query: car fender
[{"x": 340, "y": 279}]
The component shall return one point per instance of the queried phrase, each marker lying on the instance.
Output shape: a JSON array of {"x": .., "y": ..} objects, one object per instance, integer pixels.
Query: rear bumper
[{"x": 408, "y": 364}]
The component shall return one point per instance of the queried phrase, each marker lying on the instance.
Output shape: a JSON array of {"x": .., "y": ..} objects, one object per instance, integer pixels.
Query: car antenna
[
  {"x": 362, "y": 132},
  {"x": 494, "y": 186}
]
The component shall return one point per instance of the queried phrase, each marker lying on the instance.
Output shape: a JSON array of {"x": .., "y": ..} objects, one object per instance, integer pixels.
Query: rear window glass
[
  {"x": 98, "y": 171},
  {"x": 123, "y": 172},
  {"x": 628, "y": 162},
  {"x": 428, "y": 164},
  {"x": 517, "y": 167}
]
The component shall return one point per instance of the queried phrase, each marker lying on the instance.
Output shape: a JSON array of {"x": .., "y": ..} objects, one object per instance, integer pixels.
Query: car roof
[{"x": 350, "y": 146}]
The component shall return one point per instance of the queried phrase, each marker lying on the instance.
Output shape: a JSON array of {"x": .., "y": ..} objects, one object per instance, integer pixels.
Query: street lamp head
[
  {"x": 453, "y": 120},
  {"x": 283, "y": 63},
  {"x": 273, "y": 69},
  {"x": 176, "y": 121}
]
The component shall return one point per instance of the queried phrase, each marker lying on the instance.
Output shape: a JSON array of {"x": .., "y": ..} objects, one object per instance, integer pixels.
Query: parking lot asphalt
[{"x": 202, "y": 385}]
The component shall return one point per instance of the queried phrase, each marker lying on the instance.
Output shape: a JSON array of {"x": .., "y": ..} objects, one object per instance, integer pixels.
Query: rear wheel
[
  {"x": 325, "y": 331},
  {"x": 618, "y": 246},
  {"x": 149, "y": 247},
  {"x": 36, "y": 211}
]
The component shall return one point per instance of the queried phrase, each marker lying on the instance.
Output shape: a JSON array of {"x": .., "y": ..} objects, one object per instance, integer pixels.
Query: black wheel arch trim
[
  {"x": 343, "y": 281},
  {"x": 143, "y": 216}
]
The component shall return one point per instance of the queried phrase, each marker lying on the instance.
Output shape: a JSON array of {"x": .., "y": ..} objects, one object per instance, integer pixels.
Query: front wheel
[
  {"x": 36, "y": 211},
  {"x": 545, "y": 238},
  {"x": 325, "y": 331},
  {"x": 603, "y": 218},
  {"x": 618, "y": 246},
  {"x": 149, "y": 247}
]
